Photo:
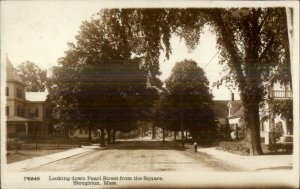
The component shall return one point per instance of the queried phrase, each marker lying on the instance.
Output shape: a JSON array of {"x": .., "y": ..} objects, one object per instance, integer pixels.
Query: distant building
[
  {"x": 84, "y": 133},
  {"x": 220, "y": 110},
  {"x": 235, "y": 112},
  {"x": 27, "y": 113}
]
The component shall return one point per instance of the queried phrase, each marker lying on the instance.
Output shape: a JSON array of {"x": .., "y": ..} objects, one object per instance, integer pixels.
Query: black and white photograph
[{"x": 149, "y": 94}]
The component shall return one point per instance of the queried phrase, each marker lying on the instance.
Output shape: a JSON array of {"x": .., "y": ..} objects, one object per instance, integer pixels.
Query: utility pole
[
  {"x": 181, "y": 121},
  {"x": 181, "y": 109}
]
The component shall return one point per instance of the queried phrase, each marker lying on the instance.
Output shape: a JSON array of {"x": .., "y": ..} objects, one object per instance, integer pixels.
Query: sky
[{"x": 39, "y": 32}]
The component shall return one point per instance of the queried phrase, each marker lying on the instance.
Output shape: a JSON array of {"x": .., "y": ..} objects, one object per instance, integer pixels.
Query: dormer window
[{"x": 19, "y": 93}]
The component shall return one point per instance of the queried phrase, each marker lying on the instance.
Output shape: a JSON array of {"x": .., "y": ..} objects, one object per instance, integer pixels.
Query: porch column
[
  {"x": 266, "y": 126},
  {"x": 285, "y": 127},
  {"x": 26, "y": 127}
]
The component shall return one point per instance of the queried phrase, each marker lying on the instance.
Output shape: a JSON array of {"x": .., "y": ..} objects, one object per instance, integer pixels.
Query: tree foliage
[
  {"x": 284, "y": 108},
  {"x": 34, "y": 77},
  {"x": 98, "y": 85},
  {"x": 253, "y": 46},
  {"x": 187, "y": 90}
]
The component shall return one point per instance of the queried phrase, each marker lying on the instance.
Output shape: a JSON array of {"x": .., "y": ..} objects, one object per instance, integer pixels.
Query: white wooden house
[
  {"x": 27, "y": 113},
  {"x": 268, "y": 119}
]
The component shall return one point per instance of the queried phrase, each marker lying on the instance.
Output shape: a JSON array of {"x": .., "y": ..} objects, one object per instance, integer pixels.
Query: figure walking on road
[{"x": 195, "y": 146}]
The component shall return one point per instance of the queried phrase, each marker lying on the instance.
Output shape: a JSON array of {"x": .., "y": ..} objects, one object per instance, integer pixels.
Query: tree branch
[
  {"x": 268, "y": 46},
  {"x": 226, "y": 36}
]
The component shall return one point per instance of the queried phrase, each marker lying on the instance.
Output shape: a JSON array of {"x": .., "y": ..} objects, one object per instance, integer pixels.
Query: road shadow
[
  {"x": 278, "y": 168},
  {"x": 145, "y": 145},
  {"x": 278, "y": 153}
]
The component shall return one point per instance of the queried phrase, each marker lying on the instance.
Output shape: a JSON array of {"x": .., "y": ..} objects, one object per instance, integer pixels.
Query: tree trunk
[
  {"x": 66, "y": 131},
  {"x": 186, "y": 134},
  {"x": 153, "y": 131},
  {"x": 181, "y": 122},
  {"x": 253, "y": 131},
  {"x": 102, "y": 138},
  {"x": 90, "y": 133},
  {"x": 182, "y": 138},
  {"x": 271, "y": 125},
  {"x": 114, "y": 136},
  {"x": 108, "y": 136}
]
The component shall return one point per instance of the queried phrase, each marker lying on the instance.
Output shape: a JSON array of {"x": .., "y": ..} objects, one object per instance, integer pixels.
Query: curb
[
  {"x": 251, "y": 163},
  {"x": 43, "y": 160}
]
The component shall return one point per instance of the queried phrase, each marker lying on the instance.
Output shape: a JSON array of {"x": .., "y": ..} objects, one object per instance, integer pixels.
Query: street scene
[
  {"x": 149, "y": 90},
  {"x": 150, "y": 155}
]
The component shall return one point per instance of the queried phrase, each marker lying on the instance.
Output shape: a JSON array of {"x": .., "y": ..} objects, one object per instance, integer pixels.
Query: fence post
[
  {"x": 57, "y": 143},
  {"x": 16, "y": 146}
]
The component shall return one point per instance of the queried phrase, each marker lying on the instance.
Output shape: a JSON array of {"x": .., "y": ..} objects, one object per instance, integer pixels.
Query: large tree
[
  {"x": 186, "y": 104},
  {"x": 253, "y": 43},
  {"x": 98, "y": 85},
  {"x": 34, "y": 77}
]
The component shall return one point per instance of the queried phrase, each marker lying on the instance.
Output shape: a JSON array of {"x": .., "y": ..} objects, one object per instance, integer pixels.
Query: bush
[
  {"x": 238, "y": 147},
  {"x": 278, "y": 131}
]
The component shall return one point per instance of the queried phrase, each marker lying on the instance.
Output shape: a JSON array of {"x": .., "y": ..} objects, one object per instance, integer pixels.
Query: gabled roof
[
  {"x": 237, "y": 109},
  {"x": 37, "y": 96},
  {"x": 239, "y": 113},
  {"x": 235, "y": 105},
  {"x": 220, "y": 108},
  {"x": 11, "y": 72}
]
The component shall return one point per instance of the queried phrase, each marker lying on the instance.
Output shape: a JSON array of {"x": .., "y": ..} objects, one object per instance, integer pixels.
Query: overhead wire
[{"x": 211, "y": 60}]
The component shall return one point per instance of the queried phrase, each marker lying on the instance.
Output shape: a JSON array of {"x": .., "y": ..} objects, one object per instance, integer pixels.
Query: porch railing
[{"x": 281, "y": 94}]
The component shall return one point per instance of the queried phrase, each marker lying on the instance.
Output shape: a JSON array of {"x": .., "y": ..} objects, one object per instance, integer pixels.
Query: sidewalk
[
  {"x": 252, "y": 163},
  {"x": 42, "y": 160}
]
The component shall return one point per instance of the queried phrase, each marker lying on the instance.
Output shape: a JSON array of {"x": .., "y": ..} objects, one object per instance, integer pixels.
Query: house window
[
  {"x": 7, "y": 91},
  {"x": 48, "y": 113},
  {"x": 37, "y": 112},
  {"x": 19, "y": 93},
  {"x": 20, "y": 128},
  {"x": 33, "y": 112},
  {"x": 7, "y": 110},
  {"x": 20, "y": 111},
  {"x": 262, "y": 126}
]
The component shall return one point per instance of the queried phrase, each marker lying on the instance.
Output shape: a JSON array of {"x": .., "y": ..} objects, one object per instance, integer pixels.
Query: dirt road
[{"x": 140, "y": 156}]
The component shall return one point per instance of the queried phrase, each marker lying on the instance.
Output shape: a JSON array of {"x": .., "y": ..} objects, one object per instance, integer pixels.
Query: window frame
[
  {"x": 7, "y": 91},
  {"x": 7, "y": 111},
  {"x": 19, "y": 93}
]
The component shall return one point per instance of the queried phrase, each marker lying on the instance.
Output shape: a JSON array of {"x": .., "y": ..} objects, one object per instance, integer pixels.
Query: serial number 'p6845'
[{"x": 27, "y": 178}]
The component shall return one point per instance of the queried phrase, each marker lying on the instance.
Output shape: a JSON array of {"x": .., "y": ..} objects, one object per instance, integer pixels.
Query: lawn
[
  {"x": 29, "y": 148},
  {"x": 13, "y": 156}
]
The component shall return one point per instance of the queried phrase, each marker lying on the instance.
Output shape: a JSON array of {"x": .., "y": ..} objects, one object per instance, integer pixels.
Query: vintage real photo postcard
[{"x": 149, "y": 94}]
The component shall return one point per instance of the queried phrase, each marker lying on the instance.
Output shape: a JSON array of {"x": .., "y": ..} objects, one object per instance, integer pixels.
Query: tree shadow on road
[{"x": 145, "y": 145}]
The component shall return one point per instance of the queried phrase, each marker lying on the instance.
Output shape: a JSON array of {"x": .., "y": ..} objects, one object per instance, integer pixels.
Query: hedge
[{"x": 238, "y": 147}]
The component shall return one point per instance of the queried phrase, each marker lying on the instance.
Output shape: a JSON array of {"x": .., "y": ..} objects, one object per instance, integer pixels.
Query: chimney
[{"x": 232, "y": 96}]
